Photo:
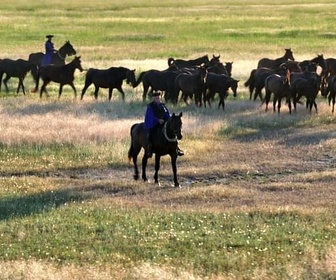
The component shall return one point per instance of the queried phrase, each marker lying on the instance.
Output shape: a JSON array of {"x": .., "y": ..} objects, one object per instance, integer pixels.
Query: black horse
[
  {"x": 275, "y": 63},
  {"x": 109, "y": 78},
  {"x": 164, "y": 143},
  {"x": 64, "y": 75},
  {"x": 219, "y": 83},
  {"x": 58, "y": 57},
  {"x": 330, "y": 91},
  {"x": 191, "y": 85},
  {"x": 18, "y": 69},
  {"x": 181, "y": 63},
  {"x": 162, "y": 80}
]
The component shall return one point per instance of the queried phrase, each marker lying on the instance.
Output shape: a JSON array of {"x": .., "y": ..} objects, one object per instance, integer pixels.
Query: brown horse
[
  {"x": 191, "y": 85},
  {"x": 164, "y": 143},
  {"x": 279, "y": 86},
  {"x": 64, "y": 75},
  {"x": 275, "y": 63},
  {"x": 18, "y": 69},
  {"x": 330, "y": 91}
]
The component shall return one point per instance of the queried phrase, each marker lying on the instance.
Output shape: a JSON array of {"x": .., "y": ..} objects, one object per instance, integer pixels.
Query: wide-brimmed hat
[
  {"x": 49, "y": 36},
  {"x": 156, "y": 93}
]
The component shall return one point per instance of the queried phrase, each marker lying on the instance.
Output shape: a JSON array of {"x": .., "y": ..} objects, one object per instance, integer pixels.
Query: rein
[
  {"x": 164, "y": 131},
  {"x": 63, "y": 58}
]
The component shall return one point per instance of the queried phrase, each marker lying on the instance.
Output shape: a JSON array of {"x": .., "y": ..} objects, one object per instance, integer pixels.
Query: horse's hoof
[
  {"x": 135, "y": 177},
  {"x": 177, "y": 185}
]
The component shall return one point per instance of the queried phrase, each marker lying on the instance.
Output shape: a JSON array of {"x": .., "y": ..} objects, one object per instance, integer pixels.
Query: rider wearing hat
[
  {"x": 49, "y": 50},
  {"x": 156, "y": 114}
]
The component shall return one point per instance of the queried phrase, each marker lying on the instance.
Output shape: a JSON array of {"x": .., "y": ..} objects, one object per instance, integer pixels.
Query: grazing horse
[
  {"x": 164, "y": 143},
  {"x": 191, "y": 84},
  {"x": 330, "y": 91},
  {"x": 219, "y": 83},
  {"x": 18, "y": 69},
  {"x": 109, "y": 78},
  {"x": 279, "y": 86},
  {"x": 58, "y": 57},
  {"x": 275, "y": 63},
  {"x": 181, "y": 63},
  {"x": 162, "y": 80},
  {"x": 64, "y": 75}
]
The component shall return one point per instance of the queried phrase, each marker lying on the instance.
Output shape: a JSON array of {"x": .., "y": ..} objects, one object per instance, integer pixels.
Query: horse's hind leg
[{"x": 84, "y": 89}]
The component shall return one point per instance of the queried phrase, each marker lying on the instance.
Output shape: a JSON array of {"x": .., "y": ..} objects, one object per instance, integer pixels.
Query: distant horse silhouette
[
  {"x": 191, "y": 85},
  {"x": 162, "y": 80},
  {"x": 18, "y": 69},
  {"x": 164, "y": 143},
  {"x": 219, "y": 83},
  {"x": 275, "y": 63},
  {"x": 330, "y": 91},
  {"x": 220, "y": 68},
  {"x": 64, "y": 75},
  {"x": 181, "y": 63},
  {"x": 58, "y": 57},
  {"x": 109, "y": 78}
]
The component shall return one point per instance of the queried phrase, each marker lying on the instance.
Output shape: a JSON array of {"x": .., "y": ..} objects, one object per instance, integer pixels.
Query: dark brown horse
[
  {"x": 275, "y": 63},
  {"x": 18, "y": 69},
  {"x": 162, "y": 80},
  {"x": 191, "y": 85},
  {"x": 181, "y": 63},
  {"x": 64, "y": 75},
  {"x": 164, "y": 143},
  {"x": 279, "y": 86},
  {"x": 58, "y": 57},
  {"x": 109, "y": 78},
  {"x": 311, "y": 65}
]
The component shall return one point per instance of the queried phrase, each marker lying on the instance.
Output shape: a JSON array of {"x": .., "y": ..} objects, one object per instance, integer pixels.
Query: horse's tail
[
  {"x": 250, "y": 80},
  {"x": 139, "y": 80},
  {"x": 171, "y": 61},
  {"x": 131, "y": 149}
]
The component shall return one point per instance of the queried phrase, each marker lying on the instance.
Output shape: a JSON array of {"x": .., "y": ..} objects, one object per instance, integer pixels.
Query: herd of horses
[{"x": 198, "y": 79}]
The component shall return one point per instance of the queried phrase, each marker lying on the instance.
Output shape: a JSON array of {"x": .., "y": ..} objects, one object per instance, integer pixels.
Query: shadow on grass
[{"x": 21, "y": 206}]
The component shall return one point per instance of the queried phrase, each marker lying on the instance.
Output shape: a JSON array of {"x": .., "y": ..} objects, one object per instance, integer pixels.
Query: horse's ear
[
  {"x": 173, "y": 115},
  {"x": 180, "y": 115}
]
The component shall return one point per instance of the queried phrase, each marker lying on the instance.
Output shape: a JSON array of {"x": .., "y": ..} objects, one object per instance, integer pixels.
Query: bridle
[{"x": 164, "y": 131}]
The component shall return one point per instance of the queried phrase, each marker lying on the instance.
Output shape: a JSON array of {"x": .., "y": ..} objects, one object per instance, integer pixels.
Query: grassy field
[{"x": 258, "y": 189}]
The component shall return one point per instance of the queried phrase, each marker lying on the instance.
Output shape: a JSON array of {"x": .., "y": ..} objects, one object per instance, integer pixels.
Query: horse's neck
[{"x": 62, "y": 52}]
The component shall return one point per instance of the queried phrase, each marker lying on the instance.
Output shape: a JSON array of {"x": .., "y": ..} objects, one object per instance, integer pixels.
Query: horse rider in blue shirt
[
  {"x": 156, "y": 114},
  {"x": 49, "y": 51}
]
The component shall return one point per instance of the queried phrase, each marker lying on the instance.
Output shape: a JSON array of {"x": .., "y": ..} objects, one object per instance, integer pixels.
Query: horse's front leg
[
  {"x": 173, "y": 159},
  {"x": 74, "y": 89},
  {"x": 144, "y": 164},
  {"x": 157, "y": 168},
  {"x": 60, "y": 91}
]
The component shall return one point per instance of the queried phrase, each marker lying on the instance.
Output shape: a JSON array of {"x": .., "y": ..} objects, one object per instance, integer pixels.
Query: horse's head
[
  {"x": 77, "y": 63},
  {"x": 214, "y": 60},
  {"x": 130, "y": 78},
  {"x": 234, "y": 86},
  {"x": 228, "y": 68},
  {"x": 174, "y": 126},
  {"x": 289, "y": 54},
  {"x": 69, "y": 49}
]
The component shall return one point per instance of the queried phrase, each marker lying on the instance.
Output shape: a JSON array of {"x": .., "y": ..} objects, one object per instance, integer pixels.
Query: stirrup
[{"x": 180, "y": 153}]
